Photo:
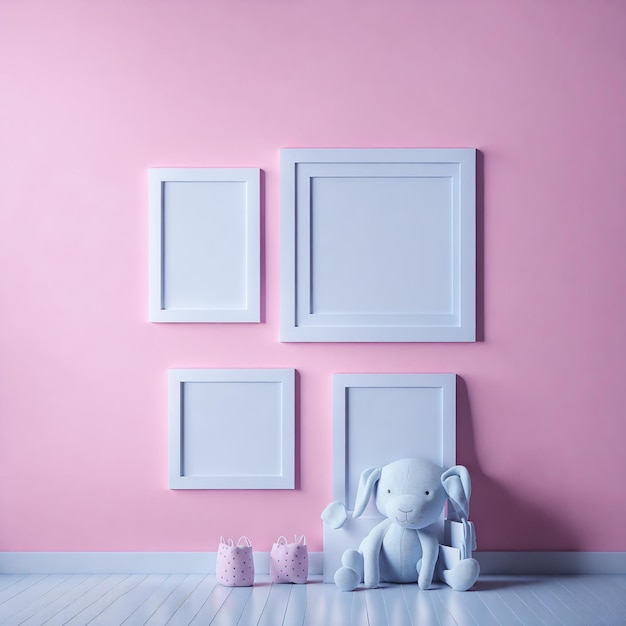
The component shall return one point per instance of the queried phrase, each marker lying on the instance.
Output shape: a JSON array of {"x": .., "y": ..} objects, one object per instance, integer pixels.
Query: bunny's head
[{"x": 413, "y": 492}]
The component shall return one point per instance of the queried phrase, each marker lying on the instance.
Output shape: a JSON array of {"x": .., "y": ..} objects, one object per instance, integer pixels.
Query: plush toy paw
[
  {"x": 463, "y": 575},
  {"x": 424, "y": 581},
  {"x": 347, "y": 579},
  {"x": 335, "y": 514}
]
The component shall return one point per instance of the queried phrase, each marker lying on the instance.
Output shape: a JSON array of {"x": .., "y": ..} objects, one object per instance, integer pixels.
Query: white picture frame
[
  {"x": 377, "y": 419},
  {"x": 232, "y": 428},
  {"x": 205, "y": 231},
  {"x": 378, "y": 245}
]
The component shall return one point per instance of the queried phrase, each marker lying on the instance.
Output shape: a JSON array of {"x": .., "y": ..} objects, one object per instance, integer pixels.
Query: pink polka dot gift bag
[
  {"x": 289, "y": 562},
  {"x": 234, "y": 566}
]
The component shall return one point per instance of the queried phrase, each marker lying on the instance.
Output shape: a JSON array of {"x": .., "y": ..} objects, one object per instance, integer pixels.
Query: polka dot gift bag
[
  {"x": 289, "y": 562},
  {"x": 234, "y": 566}
]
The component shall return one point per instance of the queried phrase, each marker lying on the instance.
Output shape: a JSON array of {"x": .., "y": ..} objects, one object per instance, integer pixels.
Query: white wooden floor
[{"x": 117, "y": 599}]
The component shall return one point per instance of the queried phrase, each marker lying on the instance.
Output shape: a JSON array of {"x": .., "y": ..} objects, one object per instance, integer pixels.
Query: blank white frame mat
[
  {"x": 377, "y": 419},
  {"x": 204, "y": 244},
  {"x": 232, "y": 428},
  {"x": 378, "y": 245}
]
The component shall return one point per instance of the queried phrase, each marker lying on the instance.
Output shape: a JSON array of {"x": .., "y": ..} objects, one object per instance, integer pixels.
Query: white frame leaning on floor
[{"x": 377, "y": 419}]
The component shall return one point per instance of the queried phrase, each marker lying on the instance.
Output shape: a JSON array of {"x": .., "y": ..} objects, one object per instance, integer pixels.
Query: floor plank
[
  {"x": 8, "y": 580},
  {"x": 125, "y": 587},
  {"x": 395, "y": 606},
  {"x": 424, "y": 609},
  {"x": 128, "y": 604},
  {"x": 181, "y": 600},
  {"x": 276, "y": 607},
  {"x": 604, "y": 603},
  {"x": 501, "y": 610},
  {"x": 296, "y": 609},
  {"x": 64, "y": 595},
  {"x": 210, "y": 608},
  {"x": 83, "y": 600},
  {"x": 30, "y": 598},
  {"x": 232, "y": 610},
  {"x": 255, "y": 605},
  {"x": 332, "y": 609}
]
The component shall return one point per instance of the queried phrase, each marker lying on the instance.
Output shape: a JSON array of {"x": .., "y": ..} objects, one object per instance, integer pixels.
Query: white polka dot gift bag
[
  {"x": 234, "y": 566},
  {"x": 289, "y": 562}
]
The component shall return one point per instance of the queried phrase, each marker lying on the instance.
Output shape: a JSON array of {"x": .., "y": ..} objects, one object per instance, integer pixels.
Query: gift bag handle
[
  {"x": 282, "y": 541},
  {"x": 228, "y": 543},
  {"x": 246, "y": 542}
]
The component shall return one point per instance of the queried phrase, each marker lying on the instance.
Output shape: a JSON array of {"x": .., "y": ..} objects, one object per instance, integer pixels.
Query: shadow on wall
[
  {"x": 504, "y": 520},
  {"x": 480, "y": 246}
]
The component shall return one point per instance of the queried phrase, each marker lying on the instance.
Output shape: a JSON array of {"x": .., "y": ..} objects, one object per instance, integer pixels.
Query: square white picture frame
[
  {"x": 378, "y": 245},
  {"x": 205, "y": 231},
  {"x": 231, "y": 428},
  {"x": 377, "y": 419}
]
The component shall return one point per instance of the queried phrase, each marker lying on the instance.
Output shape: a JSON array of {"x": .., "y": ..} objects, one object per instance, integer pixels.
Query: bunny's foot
[
  {"x": 463, "y": 575},
  {"x": 347, "y": 579}
]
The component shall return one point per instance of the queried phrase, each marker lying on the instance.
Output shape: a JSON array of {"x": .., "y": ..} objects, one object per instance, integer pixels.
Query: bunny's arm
[
  {"x": 430, "y": 552},
  {"x": 370, "y": 549}
]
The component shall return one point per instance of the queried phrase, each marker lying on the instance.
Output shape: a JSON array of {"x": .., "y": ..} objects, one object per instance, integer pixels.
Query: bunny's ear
[
  {"x": 367, "y": 482},
  {"x": 457, "y": 484}
]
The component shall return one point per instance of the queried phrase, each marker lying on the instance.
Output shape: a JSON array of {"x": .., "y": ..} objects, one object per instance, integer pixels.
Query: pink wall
[{"x": 94, "y": 93}]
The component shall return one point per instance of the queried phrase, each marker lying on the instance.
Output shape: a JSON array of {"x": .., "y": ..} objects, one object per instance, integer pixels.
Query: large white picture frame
[
  {"x": 378, "y": 244},
  {"x": 232, "y": 428},
  {"x": 377, "y": 419},
  {"x": 204, "y": 244}
]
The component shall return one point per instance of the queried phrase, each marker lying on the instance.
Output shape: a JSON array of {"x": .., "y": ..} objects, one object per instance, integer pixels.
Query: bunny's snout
[
  {"x": 406, "y": 516},
  {"x": 405, "y": 510}
]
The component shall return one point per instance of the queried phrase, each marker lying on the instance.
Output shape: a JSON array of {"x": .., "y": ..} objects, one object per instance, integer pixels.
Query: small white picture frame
[
  {"x": 378, "y": 245},
  {"x": 232, "y": 428},
  {"x": 204, "y": 244}
]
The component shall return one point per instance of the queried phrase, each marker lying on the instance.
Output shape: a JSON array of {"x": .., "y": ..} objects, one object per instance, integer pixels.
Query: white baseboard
[
  {"x": 128, "y": 562},
  {"x": 549, "y": 563},
  {"x": 491, "y": 563}
]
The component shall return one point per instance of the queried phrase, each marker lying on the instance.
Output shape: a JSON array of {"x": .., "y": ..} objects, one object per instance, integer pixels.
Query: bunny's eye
[
  {"x": 427, "y": 493},
  {"x": 388, "y": 490}
]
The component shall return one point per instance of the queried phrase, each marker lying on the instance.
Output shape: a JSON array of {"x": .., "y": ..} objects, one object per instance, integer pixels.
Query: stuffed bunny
[{"x": 404, "y": 547}]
